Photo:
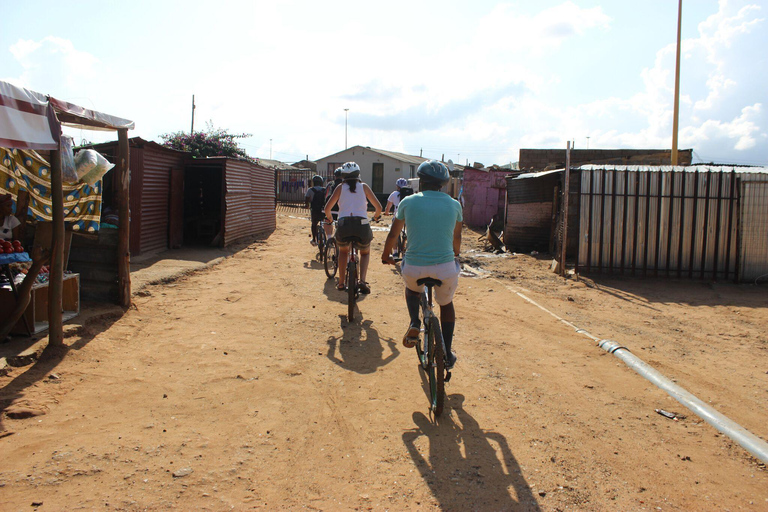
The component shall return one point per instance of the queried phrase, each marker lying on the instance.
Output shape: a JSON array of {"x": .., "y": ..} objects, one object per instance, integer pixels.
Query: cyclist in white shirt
[{"x": 353, "y": 225}]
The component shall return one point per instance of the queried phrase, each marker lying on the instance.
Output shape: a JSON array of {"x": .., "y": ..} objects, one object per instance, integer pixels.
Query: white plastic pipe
[
  {"x": 746, "y": 439},
  {"x": 750, "y": 442}
]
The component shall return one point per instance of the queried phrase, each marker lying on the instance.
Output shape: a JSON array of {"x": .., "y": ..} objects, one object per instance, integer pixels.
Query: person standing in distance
[{"x": 433, "y": 221}]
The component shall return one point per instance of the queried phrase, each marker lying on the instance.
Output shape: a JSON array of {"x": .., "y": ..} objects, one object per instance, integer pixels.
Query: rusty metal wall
[
  {"x": 249, "y": 200},
  {"x": 156, "y": 179},
  {"x": 753, "y": 240},
  {"x": 660, "y": 221}
]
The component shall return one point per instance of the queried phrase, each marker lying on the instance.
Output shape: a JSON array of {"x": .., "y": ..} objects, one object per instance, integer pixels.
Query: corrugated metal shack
[
  {"x": 176, "y": 201},
  {"x": 533, "y": 203},
  {"x": 226, "y": 200},
  {"x": 697, "y": 222},
  {"x": 152, "y": 169},
  {"x": 484, "y": 194}
]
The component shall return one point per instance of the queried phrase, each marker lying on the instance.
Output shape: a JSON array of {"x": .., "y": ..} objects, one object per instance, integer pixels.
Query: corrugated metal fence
[{"x": 680, "y": 222}]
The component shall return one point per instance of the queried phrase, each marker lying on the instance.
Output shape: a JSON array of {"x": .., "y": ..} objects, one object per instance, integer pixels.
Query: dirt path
[{"x": 242, "y": 387}]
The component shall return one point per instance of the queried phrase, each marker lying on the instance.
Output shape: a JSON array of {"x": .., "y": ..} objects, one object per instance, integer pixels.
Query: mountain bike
[
  {"x": 431, "y": 348},
  {"x": 330, "y": 257}
]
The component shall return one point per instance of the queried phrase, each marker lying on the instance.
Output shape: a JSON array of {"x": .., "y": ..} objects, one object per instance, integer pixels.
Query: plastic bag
[
  {"x": 68, "y": 174},
  {"x": 91, "y": 166}
]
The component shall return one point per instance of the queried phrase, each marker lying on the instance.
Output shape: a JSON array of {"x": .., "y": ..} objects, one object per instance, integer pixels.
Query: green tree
[{"x": 211, "y": 142}]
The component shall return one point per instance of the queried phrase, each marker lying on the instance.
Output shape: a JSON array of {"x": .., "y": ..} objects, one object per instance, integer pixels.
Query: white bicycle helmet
[
  {"x": 401, "y": 182},
  {"x": 350, "y": 170}
]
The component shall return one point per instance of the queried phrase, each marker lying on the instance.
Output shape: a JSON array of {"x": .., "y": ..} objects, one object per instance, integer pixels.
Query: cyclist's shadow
[
  {"x": 466, "y": 467},
  {"x": 334, "y": 294},
  {"x": 360, "y": 347},
  {"x": 314, "y": 264}
]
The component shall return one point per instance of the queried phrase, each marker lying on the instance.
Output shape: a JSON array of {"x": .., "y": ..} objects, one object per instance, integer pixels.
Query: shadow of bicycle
[
  {"x": 360, "y": 348},
  {"x": 465, "y": 466}
]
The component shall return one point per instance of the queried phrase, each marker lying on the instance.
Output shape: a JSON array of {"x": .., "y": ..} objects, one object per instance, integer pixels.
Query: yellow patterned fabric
[{"x": 26, "y": 170}]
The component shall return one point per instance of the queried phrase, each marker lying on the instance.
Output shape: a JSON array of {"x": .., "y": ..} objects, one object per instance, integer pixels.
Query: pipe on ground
[{"x": 746, "y": 439}]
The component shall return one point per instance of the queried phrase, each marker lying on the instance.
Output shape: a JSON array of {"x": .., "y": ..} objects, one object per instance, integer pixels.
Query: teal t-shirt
[{"x": 430, "y": 218}]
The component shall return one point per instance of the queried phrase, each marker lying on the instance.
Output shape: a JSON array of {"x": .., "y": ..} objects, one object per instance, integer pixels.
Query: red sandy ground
[{"x": 243, "y": 387}]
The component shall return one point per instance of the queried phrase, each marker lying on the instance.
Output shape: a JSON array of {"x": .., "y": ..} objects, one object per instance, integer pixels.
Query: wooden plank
[
  {"x": 56, "y": 276},
  {"x": 124, "y": 229}
]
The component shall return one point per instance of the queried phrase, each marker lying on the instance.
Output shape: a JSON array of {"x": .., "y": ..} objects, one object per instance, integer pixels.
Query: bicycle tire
[
  {"x": 401, "y": 241},
  {"x": 439, "y": 364},
  {"x": 331, "y": 258},
  {"x": 321, "y": 241},
  {"x": 430, "y": 370},
  {"x": 351, "y": 288}
]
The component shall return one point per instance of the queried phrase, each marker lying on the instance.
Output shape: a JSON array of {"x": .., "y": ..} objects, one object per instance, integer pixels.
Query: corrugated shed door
[
  {"x": 155, "y": 198},
  {"x": 753, "y": 245},
  {"x": 250, "y": 200}
]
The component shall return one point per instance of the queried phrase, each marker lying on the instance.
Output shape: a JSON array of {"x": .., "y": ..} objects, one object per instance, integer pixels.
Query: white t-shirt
[
  {"x": 394, "y": 198},
  {"x": 353, "y": 204},
  {"x": 9, "y": 224}
]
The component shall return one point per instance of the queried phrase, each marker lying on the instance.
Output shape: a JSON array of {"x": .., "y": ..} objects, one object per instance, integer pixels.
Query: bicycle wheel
[
  {"x": 438, "y": 365},
  {"x": 321, "y": 241},
  {"x": 401, "y": 244},
  {"x": 331, "y": 258},
  {"x": 351, "y": 287}
]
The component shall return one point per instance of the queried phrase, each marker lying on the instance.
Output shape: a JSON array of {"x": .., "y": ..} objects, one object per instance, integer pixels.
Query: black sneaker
[{"x": 450, "y": 360}]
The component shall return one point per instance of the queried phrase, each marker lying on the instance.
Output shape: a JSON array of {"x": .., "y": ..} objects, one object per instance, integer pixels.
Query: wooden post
[
  {"x": 124, "y": 228},
  {"x": 56, "y": 276},
  {"x": 566, "y": 194},
  {"x": 675, "y": 115}
]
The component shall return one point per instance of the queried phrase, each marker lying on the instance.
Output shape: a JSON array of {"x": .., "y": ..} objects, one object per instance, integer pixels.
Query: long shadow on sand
[
  {"x": 360, "y": 348},
  {"x": 465, "y": 466}
]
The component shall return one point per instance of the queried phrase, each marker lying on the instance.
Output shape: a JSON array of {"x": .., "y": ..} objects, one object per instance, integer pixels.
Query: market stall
[{"x": 31, "y": 122}]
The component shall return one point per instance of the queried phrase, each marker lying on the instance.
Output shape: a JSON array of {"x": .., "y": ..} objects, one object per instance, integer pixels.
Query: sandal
[
  {"x": 363, "y": 288},
  {"x": 341, "y": 287},
  {"x": 411, "y": 337}
]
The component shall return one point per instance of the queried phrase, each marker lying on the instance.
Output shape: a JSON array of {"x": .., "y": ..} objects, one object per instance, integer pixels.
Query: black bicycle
[
  {"x": 353, "y": 280},
  {"x": 321, "y": 239},
  {"x": 402, "y": 240},
  {"x": 331, "y": 257},
  {"x": 431, "y": 348}
]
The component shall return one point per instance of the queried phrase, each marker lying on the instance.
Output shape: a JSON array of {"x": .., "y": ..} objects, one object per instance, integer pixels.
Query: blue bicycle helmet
[
  {"x": 401, "y": 182},
  {"x": 433, "y": 171}
]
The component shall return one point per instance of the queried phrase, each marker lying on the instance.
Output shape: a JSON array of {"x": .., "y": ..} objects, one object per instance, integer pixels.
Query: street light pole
[
  {"x": 270, "y": 149},
  {"x": 346, "y": 112}
]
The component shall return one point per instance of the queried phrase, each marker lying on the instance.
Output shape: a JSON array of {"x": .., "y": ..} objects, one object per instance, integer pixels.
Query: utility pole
[
  {"x": 566, "y": 193},
  {"x": 346, "y": 116},
  {"x": 270, "y": 149},
  {"x": 192, "y": 128},
  {"x": 587, "y": 142},
  {"x": 675, "y": 117}
]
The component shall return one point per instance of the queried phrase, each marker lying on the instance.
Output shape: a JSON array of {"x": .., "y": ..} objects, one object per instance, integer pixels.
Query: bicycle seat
[{"x": 429, "y": 281}]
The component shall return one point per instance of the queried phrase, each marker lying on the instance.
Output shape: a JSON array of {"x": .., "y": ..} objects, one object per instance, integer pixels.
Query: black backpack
[
  {"x": 405, "y": 192},
  {"x": 318, "y": 199}
]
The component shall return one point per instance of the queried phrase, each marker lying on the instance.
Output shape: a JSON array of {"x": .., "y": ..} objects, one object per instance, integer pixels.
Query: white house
[{"x": 378, "y": 168}]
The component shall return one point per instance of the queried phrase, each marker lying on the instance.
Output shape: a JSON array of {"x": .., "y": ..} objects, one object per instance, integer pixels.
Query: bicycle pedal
[{"x": 447, "y": 376}]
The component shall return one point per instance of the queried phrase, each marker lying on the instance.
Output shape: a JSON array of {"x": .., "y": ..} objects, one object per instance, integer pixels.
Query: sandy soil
[{"x": 243, "y": 387}]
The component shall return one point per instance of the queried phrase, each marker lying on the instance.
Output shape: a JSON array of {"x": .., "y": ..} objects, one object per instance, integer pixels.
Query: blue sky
[{"x": 472, "y": 81}]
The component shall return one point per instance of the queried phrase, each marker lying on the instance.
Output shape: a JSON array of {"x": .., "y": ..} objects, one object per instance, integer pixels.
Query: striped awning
[{"x": 27, "y": 119}]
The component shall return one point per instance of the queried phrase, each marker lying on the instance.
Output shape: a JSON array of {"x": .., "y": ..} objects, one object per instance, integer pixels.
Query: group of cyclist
[{"x": 433, "y": 221}]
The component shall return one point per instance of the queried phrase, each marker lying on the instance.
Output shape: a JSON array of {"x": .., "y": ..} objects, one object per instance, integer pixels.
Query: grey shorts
[{"x": 354, "y": 229}]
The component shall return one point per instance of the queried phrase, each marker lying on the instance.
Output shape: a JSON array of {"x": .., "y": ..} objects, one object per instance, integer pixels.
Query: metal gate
[{"x": 753, "y": 231}]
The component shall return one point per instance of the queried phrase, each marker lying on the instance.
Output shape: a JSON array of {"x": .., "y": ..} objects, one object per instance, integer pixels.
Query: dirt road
[{"x": 242, "y": 387}]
